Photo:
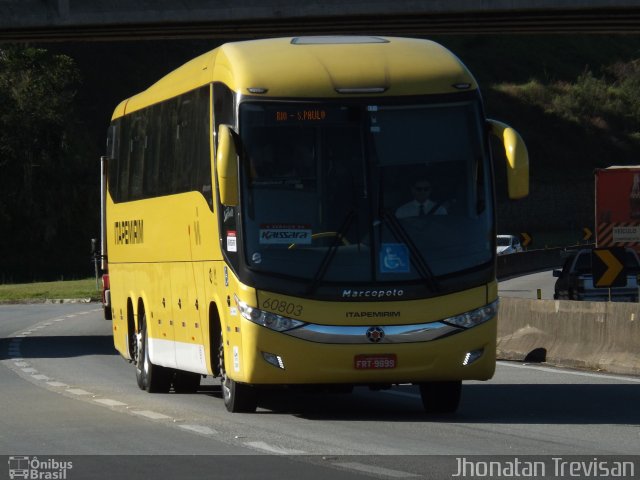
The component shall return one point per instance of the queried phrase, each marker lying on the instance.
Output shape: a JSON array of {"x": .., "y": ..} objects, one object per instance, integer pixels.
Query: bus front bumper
[{"x": 269, "y": 357}]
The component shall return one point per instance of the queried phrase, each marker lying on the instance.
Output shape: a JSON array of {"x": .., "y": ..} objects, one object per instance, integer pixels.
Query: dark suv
[{"x": 575, "y": 280}]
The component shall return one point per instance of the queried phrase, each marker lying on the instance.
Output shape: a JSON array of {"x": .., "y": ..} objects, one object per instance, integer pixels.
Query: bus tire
[
  {"x": 441, "y": 397},
  {"x": 238, "y": 397},
  {"x": 150, "y": 377},
  {"x": 108, "y": 315},
  {"x": 186, "y": 382}
]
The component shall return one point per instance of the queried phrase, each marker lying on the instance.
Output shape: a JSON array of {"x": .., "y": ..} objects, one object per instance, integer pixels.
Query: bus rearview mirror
[
  {"x": 227, "y": 167},
  {"x": 517, "y": 159}
]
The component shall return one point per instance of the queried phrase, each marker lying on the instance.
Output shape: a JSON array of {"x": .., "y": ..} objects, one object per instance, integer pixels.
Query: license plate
[{"x": 375, "y": 362}]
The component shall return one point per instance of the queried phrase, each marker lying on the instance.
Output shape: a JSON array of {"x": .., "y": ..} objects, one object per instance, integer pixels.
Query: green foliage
[
  {"x": 609, "y": 102},
  {"x": 41, "y": 163},
  {"x": 37, "y": 92},
  {"x": 75, "y": 289}
]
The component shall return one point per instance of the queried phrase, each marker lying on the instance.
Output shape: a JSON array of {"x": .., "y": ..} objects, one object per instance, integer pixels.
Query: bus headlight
[
  {"x": 267, "y": 319},
  {"x": 474, "y": 317}
]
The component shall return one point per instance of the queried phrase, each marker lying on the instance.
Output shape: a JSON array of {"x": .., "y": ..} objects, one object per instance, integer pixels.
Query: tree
[{"x": 41, "y": 169}]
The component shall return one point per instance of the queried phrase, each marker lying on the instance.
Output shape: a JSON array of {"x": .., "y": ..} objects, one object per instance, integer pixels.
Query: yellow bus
[{"x": 306, "y": 211}]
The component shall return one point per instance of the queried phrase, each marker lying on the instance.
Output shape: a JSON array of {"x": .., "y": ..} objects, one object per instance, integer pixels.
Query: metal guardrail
[{"x": 529, "y": 261}]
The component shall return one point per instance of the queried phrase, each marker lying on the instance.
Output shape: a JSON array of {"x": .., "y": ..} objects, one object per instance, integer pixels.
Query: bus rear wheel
[
  {"x": 441, "y": 397},
  {"x": 238, "y": 397},
  {"x": 150, "y": 377}
]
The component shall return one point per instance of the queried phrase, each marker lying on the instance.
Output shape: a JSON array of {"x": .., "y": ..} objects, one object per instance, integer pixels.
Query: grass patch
[{"x": 41, "y": 291}]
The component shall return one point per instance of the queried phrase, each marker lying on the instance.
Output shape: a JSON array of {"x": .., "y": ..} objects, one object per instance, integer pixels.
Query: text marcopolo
[{"x": 347, "y": 293}]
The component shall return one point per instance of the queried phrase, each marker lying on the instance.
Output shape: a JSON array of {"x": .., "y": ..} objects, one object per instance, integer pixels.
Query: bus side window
[
  {"x": 183, "y": 130},
  {"x": 223, "y": 113},
  {"x": 122, "y": 187},
  {"x": 153, "y": 151},
  {"x": 202, "y": 175},
  {"x": 138, "y": 140},
  {"x": 113, "y": 152}
]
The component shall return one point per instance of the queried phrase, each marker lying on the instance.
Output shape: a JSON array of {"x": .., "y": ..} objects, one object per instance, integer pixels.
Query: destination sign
[{"x": 306, "y": 115}]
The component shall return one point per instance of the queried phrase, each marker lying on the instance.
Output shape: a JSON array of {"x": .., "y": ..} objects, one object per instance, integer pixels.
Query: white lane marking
[
  {"x": 151, "y": 415},
  {"x": 59, "y": 320},
  {"x": 40, "y": 377},
  {"x": 20, "y": 364},
  {"x": 110, "y": 403},
  {"x": 199, "y": 429},
  {"x": 57, "y": 384},
  {"x": 570, "y": 372},
  {"x": 70, "y": 316},
  {"x": 386, "y": 472},
  {"x": 78, "y": 391},
  {"x": 29, "y": 370},
  {"x": 271, "y": 449}
]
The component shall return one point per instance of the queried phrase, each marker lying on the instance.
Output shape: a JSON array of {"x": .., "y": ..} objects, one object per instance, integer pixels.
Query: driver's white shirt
[{"x": 412, "y": 209}]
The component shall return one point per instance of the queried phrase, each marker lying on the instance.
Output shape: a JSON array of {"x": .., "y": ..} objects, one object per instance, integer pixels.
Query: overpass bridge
[{"x": 65, "y": 20}]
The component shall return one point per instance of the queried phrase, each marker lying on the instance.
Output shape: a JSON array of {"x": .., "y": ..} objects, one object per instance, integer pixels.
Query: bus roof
[{"x": 316, "y": 67}]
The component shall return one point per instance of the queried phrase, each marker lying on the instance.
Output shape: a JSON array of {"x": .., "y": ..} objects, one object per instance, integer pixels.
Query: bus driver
[{"x": 421, "y": 204}]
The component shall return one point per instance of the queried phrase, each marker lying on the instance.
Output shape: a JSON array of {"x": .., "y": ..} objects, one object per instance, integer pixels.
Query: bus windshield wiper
[
  {"x": 416, "y": 257},
  {"x": 331, "y": 251}
]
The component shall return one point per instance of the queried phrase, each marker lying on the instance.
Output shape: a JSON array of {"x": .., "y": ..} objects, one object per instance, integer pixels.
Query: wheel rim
[
  {"x": 224, "y": 380},
  {"x": 138, "y": 352},
  {"x": 146, "y": 360}
]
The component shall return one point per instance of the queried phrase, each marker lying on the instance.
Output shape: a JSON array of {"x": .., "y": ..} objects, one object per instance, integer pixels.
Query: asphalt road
[{"x": 65, "y": 392}]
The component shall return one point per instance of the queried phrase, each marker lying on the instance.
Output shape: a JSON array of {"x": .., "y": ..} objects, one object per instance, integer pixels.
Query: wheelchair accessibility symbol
[{"x": 394, "y": 258}]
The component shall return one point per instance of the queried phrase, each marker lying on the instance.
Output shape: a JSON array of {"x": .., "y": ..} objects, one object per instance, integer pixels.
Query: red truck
[{"x": 617, "y": 218}]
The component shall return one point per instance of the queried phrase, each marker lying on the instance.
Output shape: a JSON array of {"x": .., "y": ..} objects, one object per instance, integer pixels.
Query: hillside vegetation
[{"x": 575, "y": 101}]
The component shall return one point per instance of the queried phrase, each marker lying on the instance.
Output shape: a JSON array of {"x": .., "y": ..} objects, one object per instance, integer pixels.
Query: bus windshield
[{"x": 365, "y": 192}]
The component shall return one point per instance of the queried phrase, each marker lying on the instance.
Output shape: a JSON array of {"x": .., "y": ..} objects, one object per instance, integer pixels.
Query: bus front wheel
[
  {"x": 441, "y": 397},
  {"x": 238, "y": 397}
]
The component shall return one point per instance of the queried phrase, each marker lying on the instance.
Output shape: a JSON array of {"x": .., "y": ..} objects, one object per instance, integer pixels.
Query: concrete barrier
[{"x": 602, "y": 336}]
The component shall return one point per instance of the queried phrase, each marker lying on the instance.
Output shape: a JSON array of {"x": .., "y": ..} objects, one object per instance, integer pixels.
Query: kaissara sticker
[
  {"x": 232, "y": 244},
  {"x": 280, "y": 234}
]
